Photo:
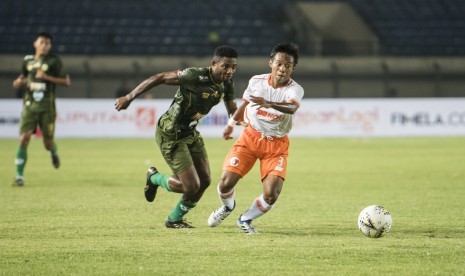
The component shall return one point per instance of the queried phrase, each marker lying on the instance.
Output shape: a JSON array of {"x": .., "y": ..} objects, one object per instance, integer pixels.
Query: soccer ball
[{"x": 374, "y": 221}]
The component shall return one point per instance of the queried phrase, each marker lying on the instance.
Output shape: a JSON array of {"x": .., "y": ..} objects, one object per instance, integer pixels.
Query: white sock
[
  {"x": 227, "y": 198},
  {"x": 257, "y": 209}
]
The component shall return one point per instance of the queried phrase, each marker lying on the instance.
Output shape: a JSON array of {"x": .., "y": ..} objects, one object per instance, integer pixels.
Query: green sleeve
[{"x": 187, "y": 76}]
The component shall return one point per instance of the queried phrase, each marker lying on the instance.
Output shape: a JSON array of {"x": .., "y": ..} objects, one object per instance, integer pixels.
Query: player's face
[
  {"x": 282, "y": 66},
  {"x": 223, "y": 69},
  {"x": 42, "y": 45}
]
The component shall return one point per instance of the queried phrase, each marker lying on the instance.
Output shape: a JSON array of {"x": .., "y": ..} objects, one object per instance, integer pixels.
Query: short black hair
[
  {"x": 289, "y": 48},
  {"x": 44, "y": 34},
  {"x": 225, "y": 51}
]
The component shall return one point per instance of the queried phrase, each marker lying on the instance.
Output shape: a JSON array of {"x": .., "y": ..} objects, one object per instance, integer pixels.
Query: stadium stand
[
  {"x": 140, "y": 27},
  {"x": 418, "y": 46},
  {"x": 145, "y": 27},
  {"x": 417, "y": 27}
]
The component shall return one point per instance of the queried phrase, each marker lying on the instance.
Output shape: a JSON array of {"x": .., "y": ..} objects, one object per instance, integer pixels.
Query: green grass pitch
[{"x": 90, "y": 217}]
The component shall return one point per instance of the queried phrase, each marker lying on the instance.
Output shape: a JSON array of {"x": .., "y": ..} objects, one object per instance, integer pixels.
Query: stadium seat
[{"x": 415, "y": 27}]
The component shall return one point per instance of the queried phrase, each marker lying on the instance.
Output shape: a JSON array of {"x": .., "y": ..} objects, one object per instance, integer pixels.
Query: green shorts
[
  {"x": 179, "y": 154},
  {"x": 45, "y": 120}
]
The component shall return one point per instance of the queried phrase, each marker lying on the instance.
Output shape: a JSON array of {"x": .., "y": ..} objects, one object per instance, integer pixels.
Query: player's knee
[
  {"x": 224, "y": 188},
  {"x": 227, "y": 182},
  {"x": 24, "y": 139},
  {"x": 271, "y": 199}
]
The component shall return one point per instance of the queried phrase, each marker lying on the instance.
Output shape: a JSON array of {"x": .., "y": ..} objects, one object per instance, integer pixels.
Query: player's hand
[
  {"x": 228, "y": 130},
  {"x": 122, "y": 103},
  {"x": 260, "y": 101},
  {"x": 20, "y": 81},
  {"x": 67, "y": 81}
]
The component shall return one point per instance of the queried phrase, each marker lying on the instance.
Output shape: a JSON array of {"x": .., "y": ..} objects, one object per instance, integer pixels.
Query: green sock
[
  {"x": 181, "y": 209},
  {"x": 20, "y": 161},
  {"x": 161, "y": 180}
]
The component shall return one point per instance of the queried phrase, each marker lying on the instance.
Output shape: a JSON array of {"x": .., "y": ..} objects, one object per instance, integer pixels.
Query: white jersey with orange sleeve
[{"x": 269, "y": 121}]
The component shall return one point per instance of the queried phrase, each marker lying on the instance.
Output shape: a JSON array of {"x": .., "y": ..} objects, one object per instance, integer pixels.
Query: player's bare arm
[
  {"x": 236, "y": 118},
  {"x": 231, "y": 107},
  {"x": 65, "y": 81},
  {"x": 19, "y": 82},
  {"x": 169, "y": 78},
  {"x": 289, "y": 107}
]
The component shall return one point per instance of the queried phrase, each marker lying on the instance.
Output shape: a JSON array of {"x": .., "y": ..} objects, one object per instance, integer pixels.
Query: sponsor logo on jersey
[
  {"x": 261, "y": 114},
  {"x": 203, "y": 78},
  {"x": 214, "y": 94}
]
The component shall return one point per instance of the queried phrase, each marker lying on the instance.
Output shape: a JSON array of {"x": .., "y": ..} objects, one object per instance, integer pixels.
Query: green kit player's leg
[
  {"x": 47, "y": 126},
  {"x": 161, "y": 180},
  {"x": 54, "y": 155},
  {"x": 155, "y": 180},
  {"x": 175, "y": 219},
  {"x": 20, "y": 162},
  {"x": 21, "y": 158},
  {"x": 150, "y": 190}
]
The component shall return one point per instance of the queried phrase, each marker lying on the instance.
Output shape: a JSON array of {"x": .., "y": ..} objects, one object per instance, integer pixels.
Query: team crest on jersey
[
  {"x": 215, "y": 94},
  {"x": 205, "y": 95},
  {"x": 37, "y": 65},
  {"x": 234, "y": 161}
]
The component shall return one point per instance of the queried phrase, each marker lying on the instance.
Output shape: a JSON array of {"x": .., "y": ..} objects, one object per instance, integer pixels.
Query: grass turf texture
[{"x": 90, "y": 216}]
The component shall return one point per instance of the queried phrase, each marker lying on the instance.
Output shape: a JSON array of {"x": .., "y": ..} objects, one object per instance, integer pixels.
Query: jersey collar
[
  {"x": 211, "y": 76},
  {"x": 279, "y": 86}
]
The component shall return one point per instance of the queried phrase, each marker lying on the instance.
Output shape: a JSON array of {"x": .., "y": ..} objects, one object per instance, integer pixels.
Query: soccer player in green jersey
[
  {"x": 40, "y": 74},
  {"x": 180, "y": 143}
]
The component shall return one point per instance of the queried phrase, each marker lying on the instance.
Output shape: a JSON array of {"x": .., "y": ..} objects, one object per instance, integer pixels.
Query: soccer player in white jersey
[{"x": 268, "y": 108}]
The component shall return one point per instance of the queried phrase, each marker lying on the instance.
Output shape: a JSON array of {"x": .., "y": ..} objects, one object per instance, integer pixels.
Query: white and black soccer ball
[{"x": 374, "y": 221}]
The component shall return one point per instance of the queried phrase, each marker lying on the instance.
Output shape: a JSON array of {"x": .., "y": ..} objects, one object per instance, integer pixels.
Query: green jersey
[
  {"x": 196, "y": 96},
  {"x": 40, "y": 94}
]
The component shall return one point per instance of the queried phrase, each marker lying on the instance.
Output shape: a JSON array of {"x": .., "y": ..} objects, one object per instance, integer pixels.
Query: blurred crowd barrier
[{"x": 321, "y": 77}]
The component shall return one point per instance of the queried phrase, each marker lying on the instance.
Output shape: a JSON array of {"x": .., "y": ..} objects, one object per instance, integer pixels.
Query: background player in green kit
[
  {"x": 180, "y": 143},
  {"x": 40, "y": 74}
]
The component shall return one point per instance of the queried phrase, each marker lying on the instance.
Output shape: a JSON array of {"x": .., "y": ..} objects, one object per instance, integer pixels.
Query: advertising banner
[{"x": 315, "y": 118}]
